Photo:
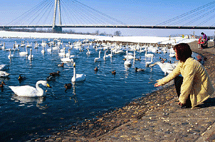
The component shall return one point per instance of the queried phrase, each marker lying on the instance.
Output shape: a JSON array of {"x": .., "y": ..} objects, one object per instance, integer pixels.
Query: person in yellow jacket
[{"x": 194, "y": 87}]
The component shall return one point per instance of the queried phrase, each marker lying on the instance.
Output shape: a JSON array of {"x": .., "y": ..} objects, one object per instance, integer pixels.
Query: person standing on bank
[
  {"x": 194, "y": 87},
  {"x": 204, "y": 36},
  {"x": 205, "y": 39}
]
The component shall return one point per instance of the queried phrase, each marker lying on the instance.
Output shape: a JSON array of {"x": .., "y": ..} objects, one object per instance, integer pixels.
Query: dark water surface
[{"x": 21, "y": 117}]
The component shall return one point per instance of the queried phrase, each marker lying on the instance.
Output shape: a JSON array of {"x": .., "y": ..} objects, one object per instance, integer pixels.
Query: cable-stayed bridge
[{"x": 48, "y": 14}]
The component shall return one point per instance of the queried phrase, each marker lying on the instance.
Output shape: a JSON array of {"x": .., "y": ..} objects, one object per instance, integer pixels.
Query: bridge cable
[
  {"x": 100, "y": 13},
  {"x": 102, "y": 20},
  {"x": 92, "y": 15},
  {"x": 29, "y": 17},
  {"x": 38, "y": 13},
  {"x": 48, "y": 15},
  {"x": 31, "y": 14},
  {"x": 186, "y": 13},
  {"x": 82, "y": 15},
  {"x": 206, "y": 20},
  {"x": 192, "y": 16},
  {"x": 198, "y": 18},
  {"x": 32, "y": 9},
  {"x": 67, "y": 13}
]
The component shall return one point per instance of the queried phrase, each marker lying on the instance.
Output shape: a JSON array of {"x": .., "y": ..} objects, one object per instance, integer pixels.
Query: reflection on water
[{"x": 28, "y": 100}]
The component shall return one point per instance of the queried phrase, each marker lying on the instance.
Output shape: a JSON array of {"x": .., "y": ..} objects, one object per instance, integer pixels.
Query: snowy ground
[{"x": 136, "y": 39}]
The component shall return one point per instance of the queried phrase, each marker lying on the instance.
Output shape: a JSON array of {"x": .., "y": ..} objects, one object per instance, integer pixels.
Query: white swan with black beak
[{"x": 77, "y": 77}]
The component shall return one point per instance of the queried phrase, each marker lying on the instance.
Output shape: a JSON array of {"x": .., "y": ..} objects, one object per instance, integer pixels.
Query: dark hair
[
  {"x": 183, "y": 51},
  {"x": 202, "y": 33}
]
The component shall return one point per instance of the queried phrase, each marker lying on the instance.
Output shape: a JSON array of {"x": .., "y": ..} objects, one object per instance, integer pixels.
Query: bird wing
[
  {"x": 26, "y": 90},
  {"x": 80, "y": 77}
]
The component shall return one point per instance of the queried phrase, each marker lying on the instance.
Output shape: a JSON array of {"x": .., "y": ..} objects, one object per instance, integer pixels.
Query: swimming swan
[
  {"x": 30, "y": 57},
  {"x": 98, "y": 59},
  {"x": 29, "y": 91},
  {"x": 77, "y": 77},
  {"x": 4, "y": 74},
  {"x": 10, "y": 55},
  {"x": 23, "y": 53},
  {"x": 165, "y": 67}
]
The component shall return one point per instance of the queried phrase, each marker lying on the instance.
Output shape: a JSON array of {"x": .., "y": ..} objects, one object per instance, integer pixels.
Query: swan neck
[
  {"x": 40, "y": 91},
  {"x": 74, "y": 72}
]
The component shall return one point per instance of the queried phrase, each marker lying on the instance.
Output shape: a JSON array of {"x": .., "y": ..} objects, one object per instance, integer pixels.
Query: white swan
[
  {"x": 165, "y": 67},
  {"x": 98, "y": 59},
  {"x": 4, "y": 74},
  {"x": 88, "y": 51},
  {"x": 68, "y": 54},
  {"x": 127, "y": 62},
  {"x": 30, "y": 57},
  {"x": 22, "y": 44},
  {"x": 77, "y": 77},
  {"x": 149, "y": 62},
  {"x": 164, "y": 49},
  {"x": 67, "y": 58},
  {"x": 148, "y": 55},
  {"x": 36, "y": 45},
  {"x": 105, "y": 56},
  {"x": 50, "y": 49},
  {"x": 23, "y": 53},
  {"x": 62, "y": 52},
  {"x": 43, "y": 51},
  {"x": 171, "y": 53},
  {"x": 56, "y": 48},
  {"x": 10, "y": 55},
  {"x": 3, "y": 47},
  {"x": 129, "y": 55},
  {"x": 29, "y": 91},
  {"x": 29, "y": 45},
  {"x": 43, "y": 43},
  {"x": 111, "y": 54},
  {"x": 16, "y": 45}
]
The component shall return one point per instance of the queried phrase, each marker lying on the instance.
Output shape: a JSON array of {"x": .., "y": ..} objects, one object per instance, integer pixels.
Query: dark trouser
[
  {"x": 204, "y": 45},
  {"x": 178, "y": 82}
]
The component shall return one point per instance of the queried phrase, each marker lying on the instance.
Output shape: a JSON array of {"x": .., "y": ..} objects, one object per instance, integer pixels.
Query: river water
[{"x": 23, "y": 117}]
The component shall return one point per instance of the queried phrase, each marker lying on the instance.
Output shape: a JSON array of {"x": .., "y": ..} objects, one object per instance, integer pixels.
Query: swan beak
[
  {"x": 48, "y": 86},
  {"x": 74, "y": 65}
]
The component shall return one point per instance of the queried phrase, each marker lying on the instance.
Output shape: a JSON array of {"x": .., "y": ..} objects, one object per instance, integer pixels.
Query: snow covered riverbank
[{"x": 135, "y": 39}]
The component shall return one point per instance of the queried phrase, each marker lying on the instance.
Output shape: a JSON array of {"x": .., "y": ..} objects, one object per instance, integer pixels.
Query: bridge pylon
[{"x": 57, "y": 28}]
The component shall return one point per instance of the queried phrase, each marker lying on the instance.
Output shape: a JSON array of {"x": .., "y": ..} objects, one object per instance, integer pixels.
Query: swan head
[
  {"x": 74, "y": 64},
  {"x": 45, "y": 83}
]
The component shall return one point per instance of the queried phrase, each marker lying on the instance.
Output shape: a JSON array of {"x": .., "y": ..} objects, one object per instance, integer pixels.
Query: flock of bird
[{"x": 129, "y": 51}]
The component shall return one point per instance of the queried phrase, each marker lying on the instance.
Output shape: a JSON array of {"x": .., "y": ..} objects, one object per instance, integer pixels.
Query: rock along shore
[{"x": 156, "y": 117}]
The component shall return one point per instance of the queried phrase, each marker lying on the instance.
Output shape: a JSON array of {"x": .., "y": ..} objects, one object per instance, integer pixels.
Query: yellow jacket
[{"x": 196, "y": 81}]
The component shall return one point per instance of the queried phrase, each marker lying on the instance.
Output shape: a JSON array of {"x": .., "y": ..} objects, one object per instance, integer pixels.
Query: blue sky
[{"x": 133, "y": 12}]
